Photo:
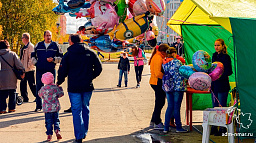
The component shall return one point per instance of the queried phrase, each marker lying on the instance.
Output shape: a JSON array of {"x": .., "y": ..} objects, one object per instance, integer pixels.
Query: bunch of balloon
[
  {"x": 108, "y": 21},
  {"x": 202, "y": 72}
]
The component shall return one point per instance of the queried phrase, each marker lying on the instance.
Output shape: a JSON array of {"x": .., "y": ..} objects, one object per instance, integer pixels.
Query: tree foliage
[{"x": 32, "y": 16}]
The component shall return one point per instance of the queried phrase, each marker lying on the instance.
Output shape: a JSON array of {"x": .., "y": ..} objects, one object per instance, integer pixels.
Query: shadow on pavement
[
  {"x": 112, "y": 89},
  {"x": 40, "y": 116}
]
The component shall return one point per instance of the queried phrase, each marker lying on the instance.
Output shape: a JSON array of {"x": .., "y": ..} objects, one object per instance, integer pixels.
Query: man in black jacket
[
  {"x": 47, "y": 54},
  {"x": 81, "y": 65},
  {"x": 124, "y": 68}
]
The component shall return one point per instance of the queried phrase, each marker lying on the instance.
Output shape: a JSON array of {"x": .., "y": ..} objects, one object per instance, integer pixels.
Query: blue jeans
[
  {"x": 12, "y": 99},
  {"x": 174, "y": 100},
  {"x": 39, "y": 84},
  {"x": 52, "y": 118},
  {"x": 80, "y": 111},
  {"x": 222, "y": 97},
  {"x": 121, "y": 72}
]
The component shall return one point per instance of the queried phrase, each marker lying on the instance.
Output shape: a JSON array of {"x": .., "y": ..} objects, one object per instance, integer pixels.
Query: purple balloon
[
  {"x": 200, "y": 81},
  {"x": 218, "y": 71}
]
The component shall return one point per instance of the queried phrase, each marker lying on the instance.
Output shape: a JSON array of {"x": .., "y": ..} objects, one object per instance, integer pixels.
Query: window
[{"x": 171, "y": 6}]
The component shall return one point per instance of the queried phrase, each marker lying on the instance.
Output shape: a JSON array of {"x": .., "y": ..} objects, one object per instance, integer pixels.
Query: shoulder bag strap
[{"x": 6, "y": 61}]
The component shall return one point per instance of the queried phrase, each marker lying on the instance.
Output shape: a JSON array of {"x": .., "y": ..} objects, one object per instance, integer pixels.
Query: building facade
[{"x": 166, "y": 34}]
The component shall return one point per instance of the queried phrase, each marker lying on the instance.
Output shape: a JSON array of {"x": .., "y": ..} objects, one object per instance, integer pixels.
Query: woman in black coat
[{"x": 221, "y": 86}]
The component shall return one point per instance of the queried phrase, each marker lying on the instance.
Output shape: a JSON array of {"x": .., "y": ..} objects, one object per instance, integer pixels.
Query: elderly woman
[{"x": 8, "y": 80}]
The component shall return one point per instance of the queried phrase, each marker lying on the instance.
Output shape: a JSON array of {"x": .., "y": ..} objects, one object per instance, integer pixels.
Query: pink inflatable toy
[
  {"x": 200, "y": 81},
  {"x": 217, "y": 71}
]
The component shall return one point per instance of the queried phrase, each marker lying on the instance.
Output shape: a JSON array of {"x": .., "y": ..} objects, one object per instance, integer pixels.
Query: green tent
[{"x": 201, "y": 22}]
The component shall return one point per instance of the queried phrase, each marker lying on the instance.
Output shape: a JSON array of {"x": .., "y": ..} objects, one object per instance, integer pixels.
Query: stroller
[{"x": 19, "y": 99}]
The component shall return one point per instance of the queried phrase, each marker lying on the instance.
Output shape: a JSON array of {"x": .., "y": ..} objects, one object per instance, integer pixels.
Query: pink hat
[{"x": 47, "y": 78}]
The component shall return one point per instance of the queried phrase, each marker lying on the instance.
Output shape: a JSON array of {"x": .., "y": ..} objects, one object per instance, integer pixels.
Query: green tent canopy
[{"x": 201, "y": 22}]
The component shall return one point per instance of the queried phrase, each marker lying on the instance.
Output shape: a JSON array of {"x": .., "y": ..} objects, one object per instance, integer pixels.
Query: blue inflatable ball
[
  {"x": 202, "y": 61},
  {"x": 186, "y": 71}
]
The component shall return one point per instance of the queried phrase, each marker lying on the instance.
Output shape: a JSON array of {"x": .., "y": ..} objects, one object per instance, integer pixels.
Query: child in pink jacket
[{"x": 51, "y": 105}]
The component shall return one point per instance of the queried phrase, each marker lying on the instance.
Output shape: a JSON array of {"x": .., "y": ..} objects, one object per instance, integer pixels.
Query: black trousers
[
  {"x": 4, "y": 94},
  {"x": 138, "y": 72},
  {"x": 159, "y": 102},
  {"x": 30, "y": 78}
]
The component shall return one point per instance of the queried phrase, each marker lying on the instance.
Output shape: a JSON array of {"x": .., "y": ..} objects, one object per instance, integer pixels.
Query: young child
[
  {"x": 174, "y": 85},
  {"x": 124, "y": 68},
  {"x": 51, "y": 106}
]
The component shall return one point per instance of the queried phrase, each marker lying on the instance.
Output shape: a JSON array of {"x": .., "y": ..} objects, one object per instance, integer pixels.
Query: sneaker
[
  {"x": 181, "y": 130},
  {"x": 68, "y": 110},
  {"x": 12, "y": 110},
  {"x": 37, "y": 110},
  {"x": 118, "y": 85},
  {"x": 125, "y": 85},
  {"x": 151, "y": 124},
  {"x": 58, "y": 135},
  {"x": 3, "y": 112},
  {"x": 159, "y": 126},
  {"x": 138, "y": 85},
  {"x": 165, "y": 132},
  {"x": 49, "y": 138}
]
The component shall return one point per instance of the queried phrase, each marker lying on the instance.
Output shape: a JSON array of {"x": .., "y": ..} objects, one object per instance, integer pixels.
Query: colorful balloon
[
  {"x": 75, "y": 3},
  {"x": 105, "y": 44},
  {"x": 186, "y": 71},
  {"x": 137, "y": 7},
  {"x": 130, "y": 28},
  {"x": 63, "y": 8},
  {"x": 156, "y": 7},
  {"x": 201, "y": 61},
  {"x": 122, "y": 9},
  {"x": 103, "y": 15},
  {"x": 200, "y": 81},
  {"x": 218, "y": 69}
]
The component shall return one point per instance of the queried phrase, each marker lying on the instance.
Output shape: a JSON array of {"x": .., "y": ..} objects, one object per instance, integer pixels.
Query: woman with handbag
[
  {"x": 139, "y": 60},
  {"x": 8, "y": 79}
]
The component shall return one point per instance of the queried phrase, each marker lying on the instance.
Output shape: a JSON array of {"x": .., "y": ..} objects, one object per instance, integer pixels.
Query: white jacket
[{"x": 26, "y": 59}]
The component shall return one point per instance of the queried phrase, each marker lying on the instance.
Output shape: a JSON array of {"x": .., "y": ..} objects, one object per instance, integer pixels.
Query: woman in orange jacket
[{"x": 155, "y": 63}]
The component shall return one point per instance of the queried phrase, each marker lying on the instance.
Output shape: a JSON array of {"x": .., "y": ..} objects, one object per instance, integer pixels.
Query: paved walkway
[{"x": 118, "y": 115}]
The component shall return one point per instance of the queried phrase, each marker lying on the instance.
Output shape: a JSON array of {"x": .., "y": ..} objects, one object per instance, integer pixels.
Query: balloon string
[{"x": 214, "y": 97}]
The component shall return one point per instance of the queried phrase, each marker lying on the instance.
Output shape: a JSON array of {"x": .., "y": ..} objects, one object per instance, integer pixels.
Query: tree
[{"x": 32, "y": 16}]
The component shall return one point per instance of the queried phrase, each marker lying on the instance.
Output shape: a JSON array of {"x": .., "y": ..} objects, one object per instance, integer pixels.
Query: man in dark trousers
[
  {"x": 47, "y": 54},
  {"x": 81, "y": 65},
  {"x": 178, "y": 46},
  {"x": 26, "y": 60}
]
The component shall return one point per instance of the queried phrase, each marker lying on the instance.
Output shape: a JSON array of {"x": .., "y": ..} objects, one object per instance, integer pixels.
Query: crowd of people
[
  {"x": 78, "y": 59},
  {"x": 165, "y": 80}
]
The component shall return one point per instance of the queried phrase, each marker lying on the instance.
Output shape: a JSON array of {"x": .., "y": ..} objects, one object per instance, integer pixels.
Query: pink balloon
[
  {"x": 200, "y": 81},
  {"x": 137, "y": 7},
  {"x": 103, "y": 15},
  {"x": 218, "y": 70},
  {"x": 150, "y": 35}
]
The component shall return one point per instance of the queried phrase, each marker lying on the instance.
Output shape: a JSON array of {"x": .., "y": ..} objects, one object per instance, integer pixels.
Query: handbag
[{"x": 17, "y": 72}]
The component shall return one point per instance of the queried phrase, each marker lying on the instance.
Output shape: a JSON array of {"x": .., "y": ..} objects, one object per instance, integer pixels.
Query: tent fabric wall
[
  {"x": 203, "y": 38},
  {"x": 244, "y": 31}
]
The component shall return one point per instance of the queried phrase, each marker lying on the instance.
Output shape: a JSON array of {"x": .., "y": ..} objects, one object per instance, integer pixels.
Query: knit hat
[{"x": 47, "y": 78}]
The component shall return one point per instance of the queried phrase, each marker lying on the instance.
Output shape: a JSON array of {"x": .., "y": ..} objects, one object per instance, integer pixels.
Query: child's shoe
[
  {"x": 58, "y": 135},
  {"x": 49, "y": 138},
  {"x": 181, "y": 130}
]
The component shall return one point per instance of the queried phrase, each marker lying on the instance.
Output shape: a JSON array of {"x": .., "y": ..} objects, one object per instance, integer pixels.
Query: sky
[{"x": 72, "y": 23}]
